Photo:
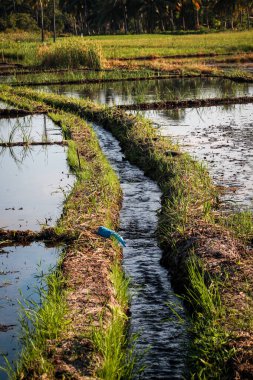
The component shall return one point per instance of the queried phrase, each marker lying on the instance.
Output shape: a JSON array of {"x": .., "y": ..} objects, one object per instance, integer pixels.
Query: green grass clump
[
  {"x": 40, "y": 325},
  {"x": 241, "y": 223},
  {"x": 118, "y": 359},
  {"x": 209, "y": 351},
  {"x": 71, "y": 54}
]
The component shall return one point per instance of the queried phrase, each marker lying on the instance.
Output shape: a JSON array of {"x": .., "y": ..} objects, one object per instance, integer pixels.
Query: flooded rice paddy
[
  {"x": 222, "y": 137},
  {"x": 160, "y": 332},
  {"x": 219, "y": 136},
  {"x": 117, "y": 93},
  {"x": 34, "y": 183},
  {"x": 22, "y": 270},
  {"x": 34, "y": 179}
]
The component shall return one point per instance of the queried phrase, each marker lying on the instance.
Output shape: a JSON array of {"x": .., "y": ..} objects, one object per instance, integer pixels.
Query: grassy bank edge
[{"x": 45, "y": 329}]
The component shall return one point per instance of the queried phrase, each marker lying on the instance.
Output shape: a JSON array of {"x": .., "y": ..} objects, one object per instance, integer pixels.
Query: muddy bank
[
  {"x": 187, "y": 103},
  {"x": 221, "y": 138},
  {"x": 17, "y": 112},
  {"x": 48, "y": 235}
]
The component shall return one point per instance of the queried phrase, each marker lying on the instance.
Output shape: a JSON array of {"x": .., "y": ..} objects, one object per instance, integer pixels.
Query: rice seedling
[
  {"x": 117, "y": 351},
  {"x": 210, "y": 350},
  {"x": 40, "y": 323}
]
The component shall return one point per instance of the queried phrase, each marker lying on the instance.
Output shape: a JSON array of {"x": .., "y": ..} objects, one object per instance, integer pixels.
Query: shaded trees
[{"x": 123, "y": 16}]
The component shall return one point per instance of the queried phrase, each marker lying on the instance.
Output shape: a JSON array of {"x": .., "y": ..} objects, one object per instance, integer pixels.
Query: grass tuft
[
  {"x": 71, "y": 54},
  {"x": 210, "y": 350}
]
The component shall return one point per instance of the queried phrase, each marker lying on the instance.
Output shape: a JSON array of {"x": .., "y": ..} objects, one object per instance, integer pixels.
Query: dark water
[
  {"x": 150, "y": 316},
  {"x": 154, "y": 90},
  {"x": 34, "y": 180},
  {"x": 222, "y": 137},
  {"x": 21, "y": 269}
]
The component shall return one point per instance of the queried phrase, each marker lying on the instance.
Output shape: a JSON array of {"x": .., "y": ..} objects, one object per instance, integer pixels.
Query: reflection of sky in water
[
  {"x": 33, "y": 128},
  {"x": 4, "y": 105},
  {"x": 33, "y": 186},
  {"x": 33, "y": 179},
  {"x": 221, "y": 136},
  {"x": 153, "y": 90},
  {"x": 20, "y": 271}
]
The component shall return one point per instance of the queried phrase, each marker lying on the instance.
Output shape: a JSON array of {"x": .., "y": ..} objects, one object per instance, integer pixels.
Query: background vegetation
[{"x": 90, "y": 17}]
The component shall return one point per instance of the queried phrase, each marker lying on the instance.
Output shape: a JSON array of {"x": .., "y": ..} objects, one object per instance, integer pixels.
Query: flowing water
[{"x": 160, "y": 331}]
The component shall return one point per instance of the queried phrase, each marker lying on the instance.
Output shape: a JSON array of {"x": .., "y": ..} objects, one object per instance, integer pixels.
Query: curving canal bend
[{"x": 160, "y": 332}]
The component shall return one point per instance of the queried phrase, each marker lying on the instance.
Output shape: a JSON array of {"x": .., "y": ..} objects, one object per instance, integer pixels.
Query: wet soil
[
  {"x": 160, "y": 332},
  {"x": 222, "y": 138},
  {"x": 22, "y": 270}
]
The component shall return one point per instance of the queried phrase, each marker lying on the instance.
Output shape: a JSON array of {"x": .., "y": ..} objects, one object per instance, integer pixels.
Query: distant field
[
  {"x": 163, "y": 45},
  {"x": 131, "y": 46}
]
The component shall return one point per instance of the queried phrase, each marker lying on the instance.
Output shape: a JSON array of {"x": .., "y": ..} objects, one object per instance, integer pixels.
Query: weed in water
[{"x": 39, "y": 325}]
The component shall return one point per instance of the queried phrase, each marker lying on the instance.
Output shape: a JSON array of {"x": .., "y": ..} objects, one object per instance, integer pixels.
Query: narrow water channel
[{"x": 164, "y": 337}]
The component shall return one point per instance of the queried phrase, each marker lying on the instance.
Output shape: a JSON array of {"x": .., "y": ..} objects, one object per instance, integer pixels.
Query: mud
[
  {"x": 188, "y": 103},
  {"x": 222, "y": 138}
]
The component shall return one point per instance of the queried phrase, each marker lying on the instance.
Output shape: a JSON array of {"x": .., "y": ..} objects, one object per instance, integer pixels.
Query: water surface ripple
[{"x": 151, "y": 286}]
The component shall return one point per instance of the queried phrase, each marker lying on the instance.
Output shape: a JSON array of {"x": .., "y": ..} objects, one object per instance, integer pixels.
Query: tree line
[{"x": 90, "y": 17}]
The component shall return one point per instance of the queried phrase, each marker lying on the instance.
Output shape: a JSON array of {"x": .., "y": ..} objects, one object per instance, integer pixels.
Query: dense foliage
[{"x": 123, "y": 16}]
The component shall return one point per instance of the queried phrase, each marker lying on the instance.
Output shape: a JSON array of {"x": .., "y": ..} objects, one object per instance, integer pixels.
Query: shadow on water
[
  {"x": 160, "y": 331},
  {"x": 22, "y": 270},
  {"x": 153, "y": 90}
]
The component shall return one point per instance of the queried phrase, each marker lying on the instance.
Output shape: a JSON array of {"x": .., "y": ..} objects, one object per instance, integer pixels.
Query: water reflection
[
  {"x": 34, "y": 179},
  {"x": 29, "y": 128},
  {"x": 21, "y": 271},
  {"x": 154, "y": 90},
  {"x": 220, "y": 136}
]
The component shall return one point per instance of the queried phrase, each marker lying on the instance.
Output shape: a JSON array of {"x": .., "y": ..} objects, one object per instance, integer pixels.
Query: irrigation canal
[{"x": 160, "y": 332}]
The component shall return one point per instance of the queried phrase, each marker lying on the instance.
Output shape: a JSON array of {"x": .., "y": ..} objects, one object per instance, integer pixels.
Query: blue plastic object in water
[{"x": 105, "y": 232}]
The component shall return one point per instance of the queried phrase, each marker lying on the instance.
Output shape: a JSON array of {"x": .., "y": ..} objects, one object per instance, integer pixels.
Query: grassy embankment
[
  {"x": 205, "y": 251},
  {"x": 80, "y": 330},
  {"x": 184, "y": 55}
]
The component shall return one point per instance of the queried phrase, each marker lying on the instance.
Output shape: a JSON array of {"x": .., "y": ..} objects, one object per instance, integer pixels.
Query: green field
[{"x": 23, "y": 47}]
